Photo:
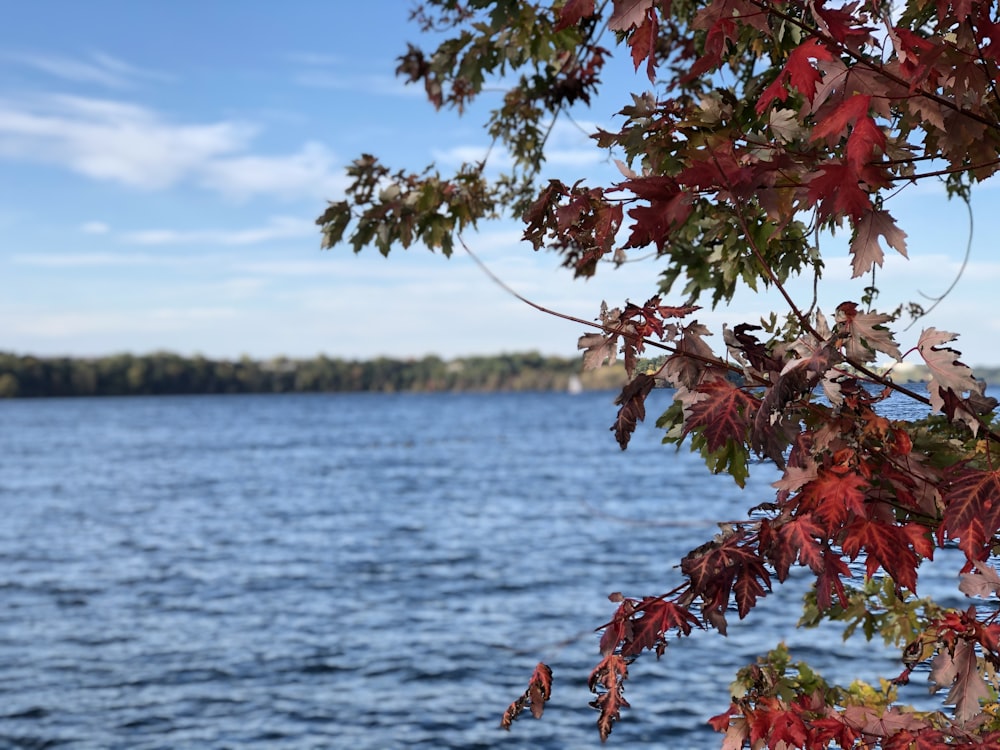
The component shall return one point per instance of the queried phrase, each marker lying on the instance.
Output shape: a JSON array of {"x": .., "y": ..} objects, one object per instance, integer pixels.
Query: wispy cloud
[
  {"x": 95, "y": 227},
  {"x": 312, "y": 172},
  {"x": 135, "y": 146},
  {"x": 278, "y": 228},
  {"x": 96, "y": 68},
  {"x": 324, "y": 71}
]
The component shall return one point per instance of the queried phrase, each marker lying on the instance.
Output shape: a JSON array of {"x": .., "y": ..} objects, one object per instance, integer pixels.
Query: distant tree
[{"x": 766, "y": 124}]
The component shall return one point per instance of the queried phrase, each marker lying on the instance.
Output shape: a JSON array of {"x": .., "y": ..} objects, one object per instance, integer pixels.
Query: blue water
[{"x": 358, "y": 571}]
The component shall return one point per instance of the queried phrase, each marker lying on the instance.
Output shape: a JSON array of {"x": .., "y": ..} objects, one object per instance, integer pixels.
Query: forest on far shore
[{"x": 163, "y": 373}]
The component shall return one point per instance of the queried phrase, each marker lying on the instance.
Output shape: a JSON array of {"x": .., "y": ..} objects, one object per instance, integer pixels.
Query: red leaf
[
  {"x": 573, "y": 12},
  {"x": 802, "y": 74},
  {"x": 849, "y": 111},
  {"x": 658, "y": 617},
  {"x": 722, "y": 414},
  {"x": 632, "y": 400},
  {"x": 800, "y": 534},
  {"x": 799, "y": 71},
  {"x": 607, "y": 680},
  {"x": 863, "y": 333},
  {"x": 972, "y": 511},
  {"x": 535, "y": 697},
  {"x": 836, "y": 191},
  {"x": 894, "y": 548},
  {"x": 832, "y": 497}
]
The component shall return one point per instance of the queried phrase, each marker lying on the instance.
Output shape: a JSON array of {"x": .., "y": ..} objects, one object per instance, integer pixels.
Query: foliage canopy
[{"x": 766, "y": 123}]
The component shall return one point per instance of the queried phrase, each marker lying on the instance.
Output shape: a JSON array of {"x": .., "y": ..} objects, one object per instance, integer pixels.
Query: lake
[{"x": 360, "y": 571}]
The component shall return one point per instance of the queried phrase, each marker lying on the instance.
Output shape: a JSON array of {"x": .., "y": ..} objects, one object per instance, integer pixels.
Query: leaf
[
  {"x": 865, "y": 247},
  {"x": 573, "y": 12},
  {"x": 862, "y": 334},
  {"x": 849, "y": 111},
  {"x": 983, "y": 582},
  {"x": 961, "y": 672},
  {"x": 972, "y": 510},
  {"x": 897, "y": 549},
  {"x": 607, "y": 681},
  {"x": 723, "y": 414},
  {"x": 629, "y": 14},
  {"x": 658, "y": 617},
  {"x": 534, "y": 698},
  {"x": 632, "y": 400},
  {"x": 947, "y": 373}
]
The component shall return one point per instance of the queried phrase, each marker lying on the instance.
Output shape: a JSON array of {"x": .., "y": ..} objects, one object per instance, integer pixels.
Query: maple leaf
[
  {"x": 897, "y": 549},
  {"x": 960, "y": 672},
  {"x": 983, "y": 582},
  {"x": 863, "y": 334},
  {"x": 723, "y": 415},
  {"x": 534, "y": 698},
  {"x": 800, "y": 535},
  {"x": 836, "y": 191},
  {"x": 947, "y": 373},
  {"x": 799, "y": 71},
  {"x": 718, "y": 568},
  {"x": 658, "y": 617},
  {"x": 865, "y": 247},
  {"x": 629, "y": 14},
  {"x": 573, "y": 12},
  {"x": 777, "y": 724},
  {"x": 847, "y": 112},
  {"x": 972, "y": 510},
  {"x": 607, "y": 681},
  {"x": 632, "y": 400}
]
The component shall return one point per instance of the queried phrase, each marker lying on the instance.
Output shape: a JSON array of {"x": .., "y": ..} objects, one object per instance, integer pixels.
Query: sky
[{"x": 162, "y": 165}]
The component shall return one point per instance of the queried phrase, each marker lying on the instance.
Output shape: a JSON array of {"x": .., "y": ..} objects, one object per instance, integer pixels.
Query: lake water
[{"x": 359, "y": 571}]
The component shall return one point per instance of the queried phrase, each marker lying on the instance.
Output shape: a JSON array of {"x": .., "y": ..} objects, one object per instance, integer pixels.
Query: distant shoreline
[{"x": 164, "y": 373}]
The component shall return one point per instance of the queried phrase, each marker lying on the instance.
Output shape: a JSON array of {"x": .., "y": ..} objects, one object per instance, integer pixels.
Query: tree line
[{"x": 164, "y": 373}]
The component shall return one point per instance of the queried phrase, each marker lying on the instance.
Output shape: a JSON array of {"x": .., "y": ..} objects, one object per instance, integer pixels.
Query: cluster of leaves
[{"x": 770, "y": 121}]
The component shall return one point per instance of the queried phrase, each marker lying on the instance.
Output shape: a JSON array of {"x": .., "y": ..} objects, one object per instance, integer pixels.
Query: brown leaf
[
  {"x": 865, "y": 247},
  {"x": 628, "y": 14},
  {"x": 632, "y": 400},
  {"x": 983, "y": 582},
  {"x": 862, "y": 334}
]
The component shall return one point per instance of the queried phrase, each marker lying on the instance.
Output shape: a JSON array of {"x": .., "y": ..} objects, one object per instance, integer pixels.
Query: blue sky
[{"x": 162, "y": 165}]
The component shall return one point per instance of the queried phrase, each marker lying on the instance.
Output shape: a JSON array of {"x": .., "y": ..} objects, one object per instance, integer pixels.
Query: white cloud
[
  {"x": 109, "y": 140},
  {"x": 85, "y": 260},
  {"x": 313, "y": 172},
  {"x": 278, "y": 228},
  {"x": 95, "y": 227},
  {"x": 98, "y": 68},
  {"x": 119, "y": 142}
]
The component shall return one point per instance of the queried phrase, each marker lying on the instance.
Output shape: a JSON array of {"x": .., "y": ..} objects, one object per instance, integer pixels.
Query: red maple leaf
[
  {"x": 799, "y": 71},
  {"x": 573, "y": 12},
  {"x": 800, "y": 535},
  {"x": 972, "y": 510},
  {"x": 723, "y": 414},
  {"x": 775, "y": 723},
  {"x": 835, "y": 189},
  {"x": 897, "y": 549},
  {"x": 658, "y": 617},
  {"x": 607, "y": 681},
  {"x": 847, "y": 112},
  {"x": 832, "y": 497},
  {"x": 720, "y": 568},
  {"x": 632, "y": 400},
  {"x": 534, "y": 698}
]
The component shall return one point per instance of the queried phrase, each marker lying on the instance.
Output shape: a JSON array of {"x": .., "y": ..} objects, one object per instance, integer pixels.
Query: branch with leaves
[{"x": 761, "y": 125}]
